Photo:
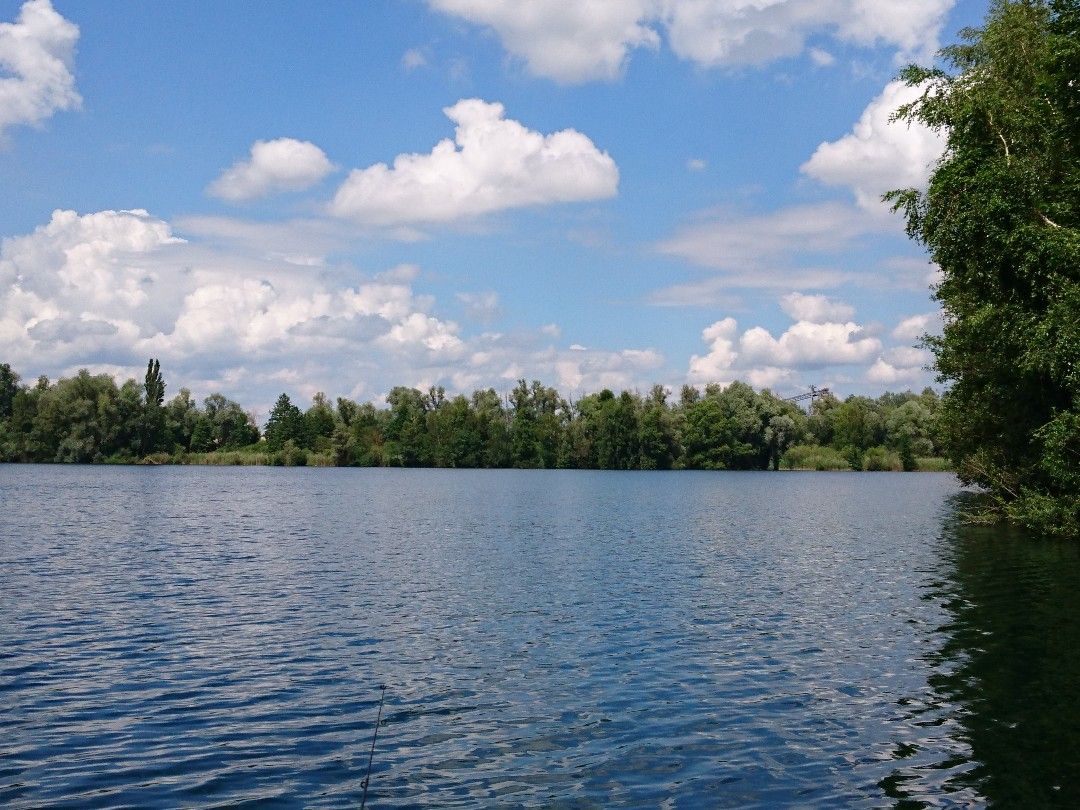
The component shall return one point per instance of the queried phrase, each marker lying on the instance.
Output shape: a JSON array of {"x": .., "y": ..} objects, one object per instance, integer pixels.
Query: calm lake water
[{"x": 203, "y": 636}]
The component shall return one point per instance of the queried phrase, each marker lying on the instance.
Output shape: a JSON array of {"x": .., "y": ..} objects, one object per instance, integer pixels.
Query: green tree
[
  {"x": 131, "y": 436},
  {"x": 154, "y": 384},
  {"x": 181, "y": 415},
  {"x": 658, "y": 439},
  {"x": 858, "y": 423},
  {"x": 606, "y": 433},
  {"x": 319, "y": 422},
  {"x": 9, "y": 387},
  {"x": 78, "y": 419},
  {"x": 286, "y": 424},
  {"x": 153, "y": 435},
  {"x": 537, "y": 425},
  {"x": 702, "y": 435},
  {"x": 366, "y": 445},
  {"x": 911, "y": 425},
  {"x": 202, "y": 435},
  {"x": 233, "y": 427},
  {"x": 406, "y": 428},
  {"x": 346, "y": 411},
  {"x": 1001, "y": 217},
  {"x": 20, "y": 442}
]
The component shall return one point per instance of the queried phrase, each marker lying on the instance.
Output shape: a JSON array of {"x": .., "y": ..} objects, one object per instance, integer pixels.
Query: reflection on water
[
  {"x": 178, "y": 637},
  {"x": 1009, "y": 667}
]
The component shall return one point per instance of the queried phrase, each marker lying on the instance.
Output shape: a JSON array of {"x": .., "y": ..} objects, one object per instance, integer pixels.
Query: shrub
[
  {"x": 932, "y": 464},
  {"x": 878, "y": 459},
  {"x": 294, "y": 456},
  {"x": 813, "y": 457}
]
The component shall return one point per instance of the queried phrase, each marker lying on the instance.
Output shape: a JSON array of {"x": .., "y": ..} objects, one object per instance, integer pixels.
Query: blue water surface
[{"x": 177, "y": 637}]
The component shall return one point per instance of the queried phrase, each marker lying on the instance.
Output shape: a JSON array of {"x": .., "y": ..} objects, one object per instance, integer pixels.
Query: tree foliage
[
  {"x": 1001, "y": 217},
  {"x": 88, "y": 418}
]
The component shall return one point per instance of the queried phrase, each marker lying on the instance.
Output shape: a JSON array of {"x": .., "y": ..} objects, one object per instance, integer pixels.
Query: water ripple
[{"x": 203, "y": 637}]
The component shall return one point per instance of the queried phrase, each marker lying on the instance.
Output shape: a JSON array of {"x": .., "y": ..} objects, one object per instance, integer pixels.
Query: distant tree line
[{"x": 88, "y": 418}]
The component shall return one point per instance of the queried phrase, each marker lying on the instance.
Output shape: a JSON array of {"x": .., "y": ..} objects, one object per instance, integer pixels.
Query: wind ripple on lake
[{"x": 205, "y": 637}]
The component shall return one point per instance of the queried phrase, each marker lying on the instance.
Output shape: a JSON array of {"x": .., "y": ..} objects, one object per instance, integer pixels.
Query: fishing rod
[{"x": 371, "y": 754}]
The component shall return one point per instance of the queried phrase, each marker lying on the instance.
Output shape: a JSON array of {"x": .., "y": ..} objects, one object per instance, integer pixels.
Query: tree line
[{"x": 89, "y": 418}]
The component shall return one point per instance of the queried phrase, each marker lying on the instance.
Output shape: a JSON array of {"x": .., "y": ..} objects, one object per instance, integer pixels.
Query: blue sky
[{"x": 640, "y": 191}]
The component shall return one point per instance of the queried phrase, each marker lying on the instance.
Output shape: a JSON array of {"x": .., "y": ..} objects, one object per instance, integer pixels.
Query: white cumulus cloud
[
  {"x": 84, "y": 281},
  {"x": 753, "y": 32},
  {"x": 807, "y": 344},
  {"x": 879, "y": 154},
  {"x": 717, "y": 365},
  {"x": 492, "y": 164},
  {"x": 580, "y": 40},
  {"x": 283, "y": 164},
  {"x": 36, "y": 56},
  {"x": 915, "y": 326},
  {"x": 909, "y": 356},
  {"x": 764, "y": 360},
  {"x": 566, "y": 40},
  {"x": 885, "y": 373},
  {"x": 815, "y": 308},
  {"x": 106, "y": 290}
]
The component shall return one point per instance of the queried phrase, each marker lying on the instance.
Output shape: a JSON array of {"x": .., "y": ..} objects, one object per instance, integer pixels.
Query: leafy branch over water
[
  {"x": 1001, "y": 217},
  {"x": 88, "y": 418}
]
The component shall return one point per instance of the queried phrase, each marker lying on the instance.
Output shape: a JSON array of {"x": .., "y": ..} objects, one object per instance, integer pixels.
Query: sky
[{"x": 344, "y": 197}]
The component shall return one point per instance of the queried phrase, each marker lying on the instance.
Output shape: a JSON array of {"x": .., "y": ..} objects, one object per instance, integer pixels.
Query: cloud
[
  {"x": 574, "y": 41},
  {"x": 423, "y": 332},
  {"x": 807, "y": 344},
  {"x": 730, "y": 33},
  {"x": 737, "y": 242},
  {"x": 108, "y": 289},
  {"x": 785, "y": 247},
  {"x": 696, "y": 165},
  {"x": 68, "y": 329},
  {"x": 300, "y": 242},
  {"x": 585, "y": 370},
  {"x": 37, "y": 52},
  {"x": 125, "y": 276},
  {"x": 909, "y": 356},
  {"x": 913, "y": 273},
  {"x": 284, "y": 164},
  {"x": 482, "y": 307},
  {"x": 821, "y": 57},
  {"x": 92, "y": 260},
  {"x": 492, "y": 164},
  {"x": 711, "y": 292},
  {"x": 84, "y": 284},
  {"x": 566, "y": 40},
  {"x": 815, "y": 308},
  {"x": 884, "y": 373},
  {"x": 879, "y": 154},
  {"x": 412, "y": 59},
  {"x": 915, "y": 326},
  {"x": 718, "y": 364},
  {"x": 765, "y": 361}
]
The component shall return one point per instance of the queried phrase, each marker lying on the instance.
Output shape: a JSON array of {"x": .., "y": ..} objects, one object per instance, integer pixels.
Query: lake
[{"x": 182, "y": 636}]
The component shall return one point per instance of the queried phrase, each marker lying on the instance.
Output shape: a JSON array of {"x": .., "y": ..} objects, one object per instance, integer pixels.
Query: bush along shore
[{"x": 88, "y": 418}]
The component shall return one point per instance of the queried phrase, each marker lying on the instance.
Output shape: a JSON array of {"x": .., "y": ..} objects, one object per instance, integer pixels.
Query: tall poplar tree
[{"x": 153, "y": 427}]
